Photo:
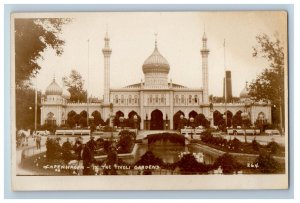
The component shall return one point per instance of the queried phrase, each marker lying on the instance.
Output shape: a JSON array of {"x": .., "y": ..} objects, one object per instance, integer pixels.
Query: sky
[{"x": 179, "y": 38}]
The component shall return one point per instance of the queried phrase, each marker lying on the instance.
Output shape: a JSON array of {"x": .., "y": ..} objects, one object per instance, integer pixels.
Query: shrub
[
  {"x": 255, "y": 145},
  {"x": 53, "y": 151},
  {"x": 189, "y": 165},
  {"x": 206, "y": 136},
  {"x": 235, "y": 144},
  {"x": 267, "y": 164},
  {"x": 126, "y": 141},
  {"x": 273, "y": 147},
  {"x": 228, "y": 164}
]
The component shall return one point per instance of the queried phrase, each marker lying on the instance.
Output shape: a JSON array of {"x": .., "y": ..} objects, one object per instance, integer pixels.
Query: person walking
[{"x": 38, "y": 141}]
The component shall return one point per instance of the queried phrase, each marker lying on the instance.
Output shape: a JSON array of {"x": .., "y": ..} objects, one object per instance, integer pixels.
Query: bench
[
  {"x": 43, "y": 132},
  {"x": 72, "y": 132},
  {"x": 272, "y": 132},
  {"x": 243, "y": 131}
]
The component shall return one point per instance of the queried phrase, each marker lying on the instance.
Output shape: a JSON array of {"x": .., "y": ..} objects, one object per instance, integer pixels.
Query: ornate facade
[{"x": 156, "y": 99}]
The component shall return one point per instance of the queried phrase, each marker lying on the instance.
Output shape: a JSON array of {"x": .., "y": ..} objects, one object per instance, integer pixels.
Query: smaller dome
[
  {"x": 245, "y": 92},
  {"x": 53, "y": 89},
  {"x": 66, "y": 94}
]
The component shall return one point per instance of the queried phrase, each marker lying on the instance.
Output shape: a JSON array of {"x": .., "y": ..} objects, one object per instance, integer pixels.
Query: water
[{"x": 169, "y": 153}]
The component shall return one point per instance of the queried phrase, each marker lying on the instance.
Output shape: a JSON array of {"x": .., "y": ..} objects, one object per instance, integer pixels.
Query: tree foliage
[
  {"x": 25, "y": 108},
  {"x": 75, "y": 84},
  {"x": 269, "y": 85},
  {"x": 32, "y": 38}
]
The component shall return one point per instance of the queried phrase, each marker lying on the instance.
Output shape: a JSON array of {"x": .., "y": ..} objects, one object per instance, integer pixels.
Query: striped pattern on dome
[
  {"x": 244, "y": 93},
  {"x": 66, "y": 94},
  {"x": 156, "y": 63},
  {"x": 53, "y": 89}
]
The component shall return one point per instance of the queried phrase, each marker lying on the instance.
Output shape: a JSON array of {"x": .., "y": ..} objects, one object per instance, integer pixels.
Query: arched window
[
  {"x": 156, "y": 98},
  {"x": 182, "y": 99},
  {"x": 162, "y": 99},
  {"x": 150, "y": 99},
  {"x": 122, "y": 99},
  {"x": 196, "y": 99},
  {"x": 135, "y": 99},
  {"x": 176, "y": 99},
  {"x": 116, "y": 99},
  {"x": 190, "y": 98},
  {"x": 129, "y": 99}
]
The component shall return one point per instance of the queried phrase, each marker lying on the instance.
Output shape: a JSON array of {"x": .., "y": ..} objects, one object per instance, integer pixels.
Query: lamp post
[
  {"x": 261, "y": 120},
  {"x": 135, "y": 119},
  {"x": 225, "y": 118},
  {"x": 193, "y": 126},
  {"x": 181, "y": 122},
  {"x": 245, "y": 117},
  {"x": 211, "y": 118},
  {"x": 110, "y": 121}
]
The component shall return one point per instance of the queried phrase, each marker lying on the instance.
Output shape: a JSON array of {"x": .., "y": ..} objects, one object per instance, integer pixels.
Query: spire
[
  {"x": 155, "y": 40},
  {"x": 54, "y": 77}
]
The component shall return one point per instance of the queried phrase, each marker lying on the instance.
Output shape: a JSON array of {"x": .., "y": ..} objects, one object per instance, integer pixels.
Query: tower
[
  {"x": 227, "y": 88},
  {"x": 106, "y": 52},
  {"x": 204, "y": 53}
]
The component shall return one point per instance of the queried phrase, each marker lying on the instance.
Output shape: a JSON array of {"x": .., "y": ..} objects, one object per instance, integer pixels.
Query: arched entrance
[
  {"x": 176, "y": 120},
  {"x": 157, "y": 121}
]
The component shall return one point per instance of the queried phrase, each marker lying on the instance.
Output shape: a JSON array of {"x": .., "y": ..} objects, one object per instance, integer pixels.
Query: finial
[
  {"x": 106, "y": 33},
  {"x": 155, "y": 39},
  {"x": 54, "y": 77},
  {"x": 246, "y": 84}
]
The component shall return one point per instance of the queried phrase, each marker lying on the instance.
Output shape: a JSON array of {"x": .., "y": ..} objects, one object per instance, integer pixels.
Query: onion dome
[
  {"x": 66, "y": 94},
  {"x": 245, "y": 92},
  {"x": 53, "y": 89},
  {"x": 156, "y": 63}
]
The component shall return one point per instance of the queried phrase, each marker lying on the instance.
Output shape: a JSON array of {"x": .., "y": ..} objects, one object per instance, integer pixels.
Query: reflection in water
[{"x": 169, "y": 153}]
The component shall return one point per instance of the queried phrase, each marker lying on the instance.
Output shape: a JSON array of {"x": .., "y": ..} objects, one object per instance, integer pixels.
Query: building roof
[
  {"x": 66, "y": 94},
  {"x": 156, "y": 63},
  {"x": 138, "y": 85},
  {"x": 54, "y": 89},
  {"x": 245, "y": 92}
]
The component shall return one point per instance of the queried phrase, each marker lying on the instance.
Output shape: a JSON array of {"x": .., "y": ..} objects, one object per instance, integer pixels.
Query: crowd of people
[{"x": 83, "y": 153}]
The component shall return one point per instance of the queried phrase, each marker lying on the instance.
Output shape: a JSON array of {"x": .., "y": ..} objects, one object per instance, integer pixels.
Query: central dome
[{"x": 156, "y": 63}]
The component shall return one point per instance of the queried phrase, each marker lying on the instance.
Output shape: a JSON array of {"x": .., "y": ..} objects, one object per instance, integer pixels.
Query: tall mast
[
  {"x": 88, "y": 83},
  {"x": 225, "y": 85}
]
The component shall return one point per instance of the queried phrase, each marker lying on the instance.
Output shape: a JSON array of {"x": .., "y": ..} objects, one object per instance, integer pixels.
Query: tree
[
  {"x": 25, "y": 108},
  {"x": 269, "y": 85},
  {"x": 97, "y": 118},
  {"x": 32, "y": 38},
  {"x": 75, "y": 84}
]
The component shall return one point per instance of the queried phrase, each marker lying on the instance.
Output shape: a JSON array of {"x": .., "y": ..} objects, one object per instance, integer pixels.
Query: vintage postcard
[{"x": 149, "y": 100}]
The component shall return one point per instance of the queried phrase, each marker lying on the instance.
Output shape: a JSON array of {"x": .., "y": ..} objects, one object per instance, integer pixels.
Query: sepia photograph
[{"x": 149, "y": 100}]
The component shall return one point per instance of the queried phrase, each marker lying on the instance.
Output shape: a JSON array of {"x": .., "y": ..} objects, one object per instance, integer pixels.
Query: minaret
[
  {"x": 106, "y": 52},
  {"x": 204, "y": 53}
]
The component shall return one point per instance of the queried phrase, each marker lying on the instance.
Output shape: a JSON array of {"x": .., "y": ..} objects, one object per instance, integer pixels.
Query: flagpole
[
  {"x": 225, "y": 85},
  {"x": 35, "y": 104},
  {"x": 88, "y": 82}
]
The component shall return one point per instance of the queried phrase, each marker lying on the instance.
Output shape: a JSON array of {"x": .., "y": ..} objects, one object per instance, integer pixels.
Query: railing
[
  {"x": 72, "y": 132},
  {"x": 239, "y": 131}
]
